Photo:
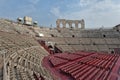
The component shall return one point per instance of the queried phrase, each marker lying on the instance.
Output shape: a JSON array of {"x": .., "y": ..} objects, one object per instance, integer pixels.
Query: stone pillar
[
  {"x": 77, "y": 22},
  {"x": 64, "y": 24},
  {"x": 58, "y": 24},
  {"x": 82, "y": 24},
  {"x": 70, "y": 25},
  {"x": 76, "y": 25}
]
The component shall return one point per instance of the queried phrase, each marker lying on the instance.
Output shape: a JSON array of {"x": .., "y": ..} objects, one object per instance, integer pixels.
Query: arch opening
[
  {"x": 79, "y": 25},
  {"x": 61, "y": 25},
  {"x": 67, "y": 25},
  {"x": 73, "y": 25}
]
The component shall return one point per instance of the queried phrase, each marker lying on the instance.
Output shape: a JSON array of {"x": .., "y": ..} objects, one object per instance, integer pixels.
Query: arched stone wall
[{"x": 70, "y": 23}]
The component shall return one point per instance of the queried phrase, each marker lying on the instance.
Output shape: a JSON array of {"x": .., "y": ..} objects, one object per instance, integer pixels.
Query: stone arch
[
  {"x": 73, "y": 25},
  {"x": 104, "y": 35},
  {"x": 82, "y": 24},
  {"x": 73, "y": 35},
  {"x": 112, "y": 52},
  {"x": 58, "y": 24},
  {"x": 50, "y": 46},
  {"x": 61, "y": 25},
  {"x": 79, "y": 25},
  {"x": 67, "y": 25}
]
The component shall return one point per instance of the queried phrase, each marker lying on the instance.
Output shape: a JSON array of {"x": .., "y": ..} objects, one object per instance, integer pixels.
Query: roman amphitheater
[{"x": 67, "y": 52}]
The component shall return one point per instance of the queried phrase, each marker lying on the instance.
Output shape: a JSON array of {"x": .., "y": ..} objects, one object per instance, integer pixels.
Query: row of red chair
[
  {"x": 88, "y": 66},
  {"x": 68, "y": 56},
  {"x": 115, "y": 73},
  {"x": 83, "y": 71},
  {"x": 83, "y": 53},
  {"x": 57, "y": 61},
  {"x": 104, "y": 56},
  {"x": 106, "y": 64}
]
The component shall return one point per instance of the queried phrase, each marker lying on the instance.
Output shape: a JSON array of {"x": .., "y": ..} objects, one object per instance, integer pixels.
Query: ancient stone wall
[{"x": 62, "y": 23}]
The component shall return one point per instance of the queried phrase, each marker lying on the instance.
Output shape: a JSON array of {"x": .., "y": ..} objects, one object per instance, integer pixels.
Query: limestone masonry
[{"x": 67, "y": 52}]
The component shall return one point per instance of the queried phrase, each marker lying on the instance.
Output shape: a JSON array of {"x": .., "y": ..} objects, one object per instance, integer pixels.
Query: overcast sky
[{"x": 96, "y": 13}]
